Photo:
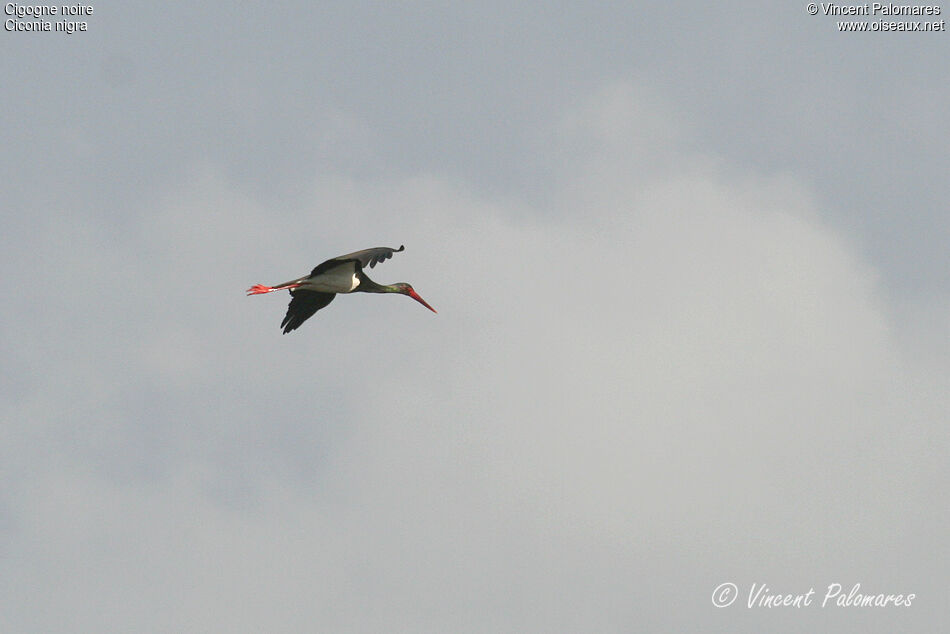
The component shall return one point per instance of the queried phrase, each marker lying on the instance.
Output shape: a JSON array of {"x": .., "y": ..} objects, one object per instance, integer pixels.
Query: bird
[{"x": 343, "y": 274}]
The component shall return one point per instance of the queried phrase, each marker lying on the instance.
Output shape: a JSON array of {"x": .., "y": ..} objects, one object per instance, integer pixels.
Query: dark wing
[
  {"x": 302, "y": 307},
  {"x": 370, "y": 257},
  {"x": 366, "y": 257}
]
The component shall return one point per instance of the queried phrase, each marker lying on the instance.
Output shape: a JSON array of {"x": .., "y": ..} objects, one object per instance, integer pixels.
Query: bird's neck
[{"x": 369, "y": 286}]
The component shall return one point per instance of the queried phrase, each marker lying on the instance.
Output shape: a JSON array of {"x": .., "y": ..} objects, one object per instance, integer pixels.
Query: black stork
[{"x": 339, "y": 275}]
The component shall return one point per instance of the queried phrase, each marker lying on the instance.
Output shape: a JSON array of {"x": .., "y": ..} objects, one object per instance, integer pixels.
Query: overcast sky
[{"x": 691, "y": 267}]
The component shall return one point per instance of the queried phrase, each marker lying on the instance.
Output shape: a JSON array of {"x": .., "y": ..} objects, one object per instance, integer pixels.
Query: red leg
[{"x": 259, "y": 289}]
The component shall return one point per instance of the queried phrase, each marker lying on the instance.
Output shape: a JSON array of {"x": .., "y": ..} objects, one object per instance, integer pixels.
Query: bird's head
[{"x": 406, "y": 289}]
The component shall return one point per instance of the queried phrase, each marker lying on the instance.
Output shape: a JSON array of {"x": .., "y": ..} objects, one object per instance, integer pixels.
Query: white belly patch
[{"x": 342, "y": 279}]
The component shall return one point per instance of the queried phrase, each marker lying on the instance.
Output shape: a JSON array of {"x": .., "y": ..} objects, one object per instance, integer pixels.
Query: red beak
[{"x": 411, "y": 293}]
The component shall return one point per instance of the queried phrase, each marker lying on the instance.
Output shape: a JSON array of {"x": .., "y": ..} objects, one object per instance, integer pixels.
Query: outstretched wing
[
  {"x": 366, "y": 257},
  {"x": 372, "y": 257},
  {"x": 302, "y": 307}
]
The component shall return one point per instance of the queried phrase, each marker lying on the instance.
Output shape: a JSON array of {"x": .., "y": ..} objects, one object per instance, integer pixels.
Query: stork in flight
[{"x": 339, "y": 275}]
